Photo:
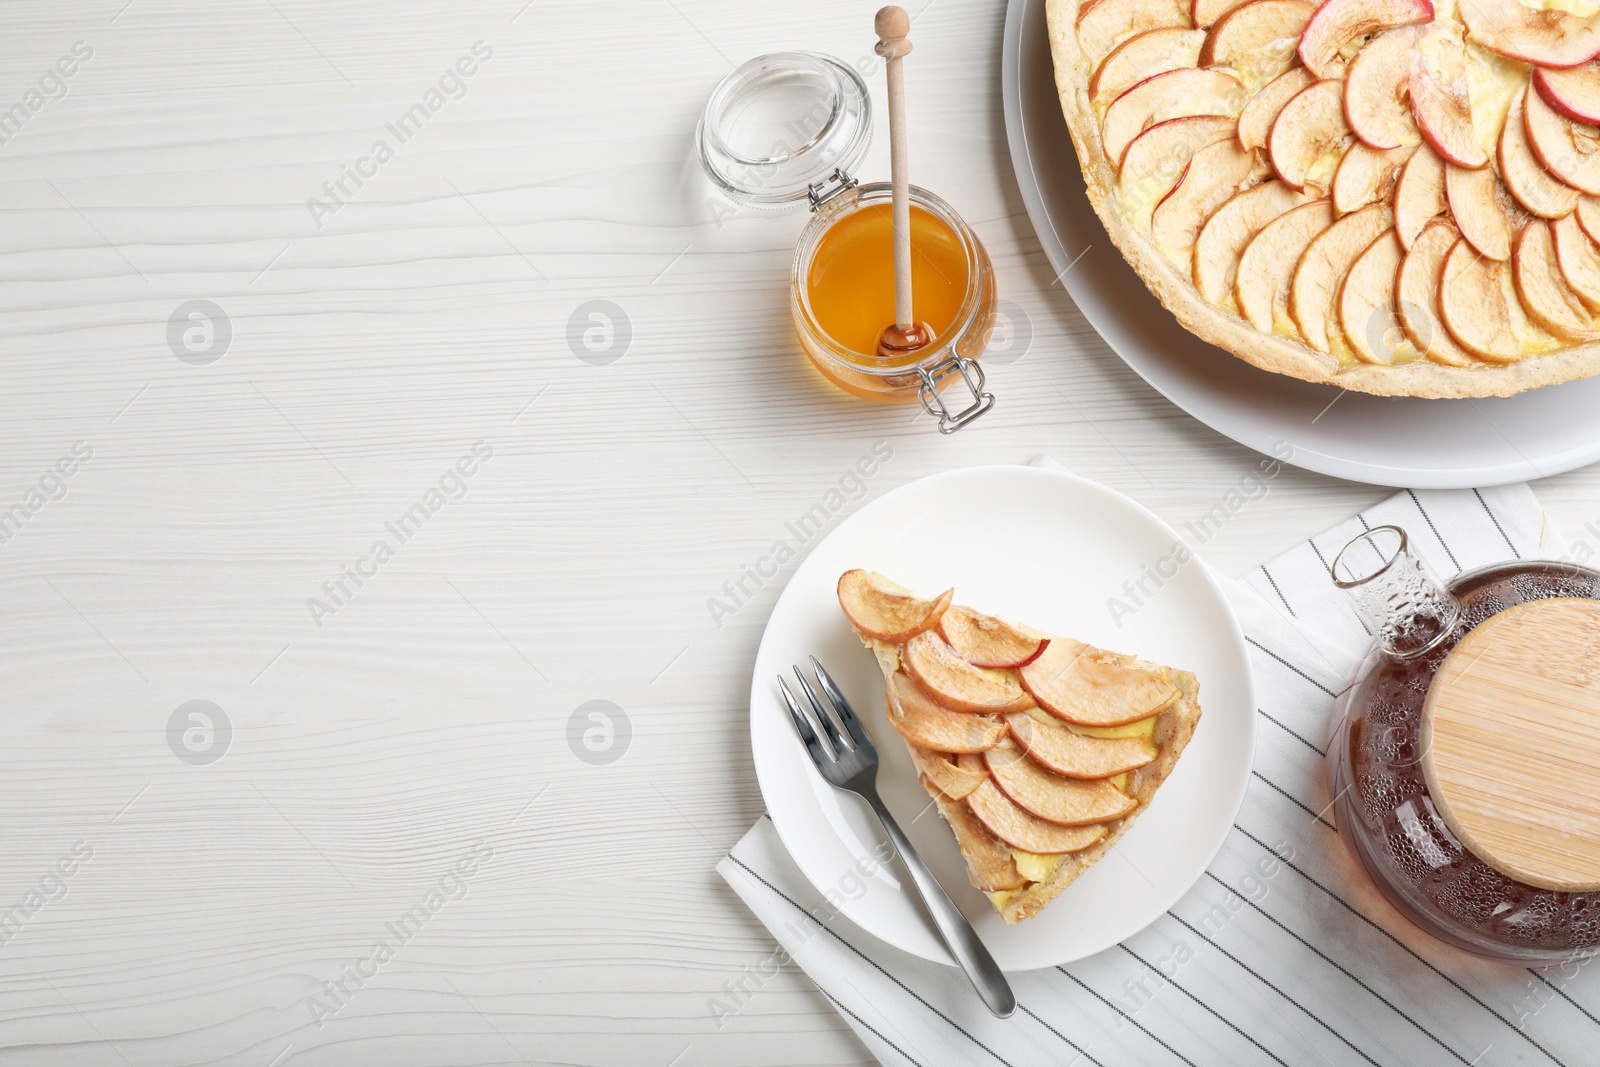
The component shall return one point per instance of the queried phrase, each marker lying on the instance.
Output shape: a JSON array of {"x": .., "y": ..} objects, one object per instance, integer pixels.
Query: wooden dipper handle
[{"x": 892, "y": 24}]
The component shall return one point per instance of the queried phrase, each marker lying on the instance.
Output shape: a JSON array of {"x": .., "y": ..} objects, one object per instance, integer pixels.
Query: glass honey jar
[{"x": 789, "y": 128}]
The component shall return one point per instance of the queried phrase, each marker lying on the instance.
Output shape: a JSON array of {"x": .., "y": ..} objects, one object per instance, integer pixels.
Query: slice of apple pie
[{"x": 1039, "y": 751}]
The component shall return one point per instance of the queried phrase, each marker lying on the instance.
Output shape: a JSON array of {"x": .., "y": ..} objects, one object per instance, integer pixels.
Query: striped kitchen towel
[{"x": 1315, "y": 969}]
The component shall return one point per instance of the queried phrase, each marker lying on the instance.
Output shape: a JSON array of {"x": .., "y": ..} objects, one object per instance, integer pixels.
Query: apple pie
[
  {"x": 1039, "y": 751},
  {"x": 1393, "y": 196}
]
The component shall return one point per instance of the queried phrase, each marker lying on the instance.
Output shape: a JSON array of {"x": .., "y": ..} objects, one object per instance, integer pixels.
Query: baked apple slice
[
  {"x": 1266, "y": 267},
  {"x": 1252, "y": 27},
  {"x": 1324, "y": 266},
  {"x": 1569, "y": 150},
  {"x": 921, "y": 721},
  {"x": 990, "y": 865},
  {"x": 1578, "y": 259},
  {"x": 1223, "y": 238},
  {"x": 1205, "y": 13},
  {"x": 1089, "y": 687},
  {"x": 1175, "y": 94},
  {"x": 1524, "y": 175},
  {"x": 1482, "y": 209},
  {"x": 1417, "y": 295},
  {"x": 1157, "y": 158},
  {"x": 1338, "y": 22},
  {"x": 1366, "y": 175},
  {"x": 1367, "y": 302},
  {"x": 1418, "y": 194},
  {"x": 1020, "y": 829},
  {"x": 1308, "y": 126},
  {"x": 1255, "y": 120},
  {"x": 1104, "y": 24},
  {"x": 957, "y": 684},
  {"x": 1065, "y": 801},
  {"x": 1075, "y": 755},
  {"x": 1213, "y": 177},
  {"x": 1478, "y": 302},
  {"x": 1574, "y": 92},
  {"x": 1145, "y": 55},
  {"x": 985, "y": 641},
  {"x": 1589, "y": 216},
  {"x": 1441, "y": 99},
  {"x": 1544, "y": 293},
  {"x": 947, "y": 775},
  {"x": 1544, "y": 38},
  {"x": 1375, "y": 89},
  {"x": 879, "y": 608},
  {"x": 1473, "y": 305}
]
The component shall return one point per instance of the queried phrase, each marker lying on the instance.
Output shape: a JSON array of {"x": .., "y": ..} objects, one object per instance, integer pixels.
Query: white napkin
[{"x": 1283, "y": 953}]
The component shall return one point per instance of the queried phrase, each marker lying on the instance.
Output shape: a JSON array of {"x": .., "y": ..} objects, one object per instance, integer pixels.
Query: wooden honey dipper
[{"x": 905, "y": 334}]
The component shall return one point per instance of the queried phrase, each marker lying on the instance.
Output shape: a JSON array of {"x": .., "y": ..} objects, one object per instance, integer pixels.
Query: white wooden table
[{"x": 400, "y": 856}]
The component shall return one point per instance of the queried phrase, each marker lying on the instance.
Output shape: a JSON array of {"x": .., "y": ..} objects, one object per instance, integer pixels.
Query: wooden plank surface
[{"x": 420, "y": 728}]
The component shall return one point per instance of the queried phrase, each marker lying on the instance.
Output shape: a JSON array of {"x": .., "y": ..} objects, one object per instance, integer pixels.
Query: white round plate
[
  {"x": 1437, "y": 444},
  {"x": 1048, "y": 549}
]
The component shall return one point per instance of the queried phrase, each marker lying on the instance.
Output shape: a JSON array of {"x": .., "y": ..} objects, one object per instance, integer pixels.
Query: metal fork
[{"x": 853, "y": 765}]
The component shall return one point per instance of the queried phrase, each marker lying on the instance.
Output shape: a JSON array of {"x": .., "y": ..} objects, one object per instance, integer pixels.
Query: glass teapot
[{"x": 1464, "y": 757}]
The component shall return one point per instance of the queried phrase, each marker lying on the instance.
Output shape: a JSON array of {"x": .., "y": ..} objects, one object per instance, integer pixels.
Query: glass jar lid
[{"x": 785, "y": 127}]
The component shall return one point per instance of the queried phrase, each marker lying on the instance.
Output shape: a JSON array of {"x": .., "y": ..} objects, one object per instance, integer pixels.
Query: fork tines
[{"x": 837, "y": 744}]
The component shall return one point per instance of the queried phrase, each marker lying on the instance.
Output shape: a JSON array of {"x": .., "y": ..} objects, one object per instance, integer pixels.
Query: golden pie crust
[{"x": 1173, "y": 286}]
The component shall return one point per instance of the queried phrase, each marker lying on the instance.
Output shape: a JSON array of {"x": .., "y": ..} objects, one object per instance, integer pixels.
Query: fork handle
[{"x": 959, "y": 937}]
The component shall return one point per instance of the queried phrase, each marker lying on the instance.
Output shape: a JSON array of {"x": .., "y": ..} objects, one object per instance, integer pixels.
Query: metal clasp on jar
[
  {"x": 819, "y": 193},
  {"x": 933, "y": 401}
]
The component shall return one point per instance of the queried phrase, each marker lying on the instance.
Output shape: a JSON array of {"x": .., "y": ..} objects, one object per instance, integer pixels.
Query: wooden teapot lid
[{"x": 1511, "y": 743}]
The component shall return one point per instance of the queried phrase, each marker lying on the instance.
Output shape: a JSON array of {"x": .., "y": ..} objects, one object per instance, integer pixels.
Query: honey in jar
[
  {"x": 843, "y": 296},
  {"x": 850, "y": 282}
]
